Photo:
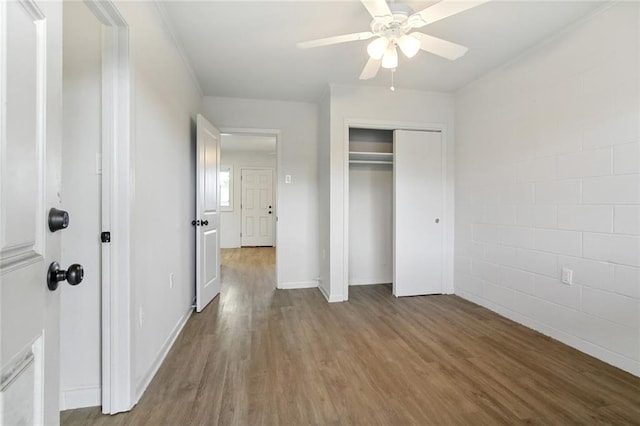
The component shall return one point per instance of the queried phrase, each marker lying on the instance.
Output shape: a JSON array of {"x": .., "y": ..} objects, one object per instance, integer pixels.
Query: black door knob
[
  {"x": 58, "y": 219},
  {"x": 205, "y": 222},
  {"x": 269, "y": 212},
  {"x": 73, "y": 275}
]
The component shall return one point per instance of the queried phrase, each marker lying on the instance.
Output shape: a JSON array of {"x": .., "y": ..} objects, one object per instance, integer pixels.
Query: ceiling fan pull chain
[{"x": 393, "y": 87}]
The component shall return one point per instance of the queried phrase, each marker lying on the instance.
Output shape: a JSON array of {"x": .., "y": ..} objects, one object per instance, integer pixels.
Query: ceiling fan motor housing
[{"x": 391, "y": 27}]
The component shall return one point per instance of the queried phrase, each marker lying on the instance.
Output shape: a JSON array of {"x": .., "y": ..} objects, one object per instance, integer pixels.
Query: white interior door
[
  {"x": 207, "y": 213},
  {"x": 417, "y": 175},
  {"x": 30, "y": 165},
  {"x": 257, "y": 207}
]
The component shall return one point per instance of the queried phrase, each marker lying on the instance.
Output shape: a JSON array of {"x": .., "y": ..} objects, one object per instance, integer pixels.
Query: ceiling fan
[{"x": 392, "y": 27}]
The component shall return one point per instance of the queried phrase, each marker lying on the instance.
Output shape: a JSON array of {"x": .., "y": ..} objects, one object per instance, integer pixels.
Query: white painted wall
[
  {"x": 298, "y": 201},
  {"x": 80, "y": 332},
  {"x": 231, "y": 221},
  {"x": 165, "y": 103},
  {"x": 548, "y": 176},
  {"x": 368, "y": 104}
]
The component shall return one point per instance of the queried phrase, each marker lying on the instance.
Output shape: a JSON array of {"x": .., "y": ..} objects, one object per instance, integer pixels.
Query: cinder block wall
[{"x": 547, "y": 176}]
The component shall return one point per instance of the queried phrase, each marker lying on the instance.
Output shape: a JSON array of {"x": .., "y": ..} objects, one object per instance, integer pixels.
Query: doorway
[
  {"x": 247, "y": 175},
  {"x": 95, "y": 324},
  {"x": 249, "y": 189},
  {"x": 80, "y": 306}
]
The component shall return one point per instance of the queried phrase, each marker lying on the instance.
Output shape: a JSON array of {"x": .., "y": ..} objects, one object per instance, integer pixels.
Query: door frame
[
  {"x": 276, "y": 185},
  {"x": 117, "y": 307},
  {"x": 447, "y": 194},
  {"x": 273, "y": 198}
]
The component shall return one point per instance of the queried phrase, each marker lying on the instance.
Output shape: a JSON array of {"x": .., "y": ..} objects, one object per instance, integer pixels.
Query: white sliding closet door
[{"x": 418, "y": 229}]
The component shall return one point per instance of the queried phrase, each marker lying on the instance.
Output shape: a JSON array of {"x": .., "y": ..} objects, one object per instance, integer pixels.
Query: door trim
[
  {"x": 276, "y": 185},
  {"x": 447, "y": 195},
  {"x": 117, "y": 311},
  {"x": 275, "y": 210}
]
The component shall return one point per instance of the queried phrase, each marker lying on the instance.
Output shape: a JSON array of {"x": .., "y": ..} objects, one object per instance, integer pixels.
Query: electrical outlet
[
  {"x": 140, "y": 316},
  {"x": 567, "y": 276},
  {"x": 287, "y": 178},
  {"x": 171, "y": 280}
]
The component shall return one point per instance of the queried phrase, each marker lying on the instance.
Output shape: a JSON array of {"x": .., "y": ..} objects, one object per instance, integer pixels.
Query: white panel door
[
  {"x": 257, "y": 207},
  {"x": 30, "y": 165},
  {"x": 207, "y": 213},
  {"x": 417, "y": 190}
]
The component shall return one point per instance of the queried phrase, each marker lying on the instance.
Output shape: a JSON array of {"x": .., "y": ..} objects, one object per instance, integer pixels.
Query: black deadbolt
[
  {"x": 73, "y": 275},
  {"x": 58, "y": 219}
]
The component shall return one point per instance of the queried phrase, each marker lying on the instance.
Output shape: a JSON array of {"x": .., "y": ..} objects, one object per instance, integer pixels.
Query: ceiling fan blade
[
  {"x": 370, "y": 69},
  {"x": 441, "y": 10},
  {"x": 377, "y": 8},
  {"x": 440, "y": 47},
  {"x": 335, "y": 40}
]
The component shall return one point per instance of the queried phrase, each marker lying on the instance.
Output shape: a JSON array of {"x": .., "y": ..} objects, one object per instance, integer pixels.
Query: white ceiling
[{"x": 248, "y": 49}]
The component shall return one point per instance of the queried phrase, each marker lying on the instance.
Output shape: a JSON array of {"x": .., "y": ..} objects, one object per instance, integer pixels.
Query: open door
[
  {"x": 207, "y": 219},
  {"x": 30, "y": 166}
]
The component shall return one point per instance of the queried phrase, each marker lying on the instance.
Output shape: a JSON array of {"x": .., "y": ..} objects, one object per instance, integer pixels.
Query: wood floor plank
[{"x": 261, "y": 356}]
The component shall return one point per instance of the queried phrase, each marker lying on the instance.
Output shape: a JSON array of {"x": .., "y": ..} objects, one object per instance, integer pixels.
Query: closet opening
[
  {"x": 394, "y": 209},
  {"x": 370, "y": 207}
]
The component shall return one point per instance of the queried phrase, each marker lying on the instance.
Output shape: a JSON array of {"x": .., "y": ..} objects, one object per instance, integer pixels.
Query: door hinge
[{"x": 105, "y": 237}]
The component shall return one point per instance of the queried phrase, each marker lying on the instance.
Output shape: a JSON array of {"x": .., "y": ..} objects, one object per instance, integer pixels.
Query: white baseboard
[
  {"x": 605, "y": 355},
  {"x": 71, "y": 399},
  {"x": 330, "y": 298},
  {"x": 369, "y": 281},
  {"x": 299, "y": 284},
  {"x": 162, "y": 354}
]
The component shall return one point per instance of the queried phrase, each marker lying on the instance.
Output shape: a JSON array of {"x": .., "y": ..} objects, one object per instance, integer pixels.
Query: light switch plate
[
  {"x": 567, "y": 276},
  {"x": 98, "y": 164},
  {"x": 287, "y": 178}
]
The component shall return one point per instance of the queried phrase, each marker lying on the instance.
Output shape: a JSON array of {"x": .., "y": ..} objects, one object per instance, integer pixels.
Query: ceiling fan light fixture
[
  {"x": 390, "y": 58},
  {"x": 377, "y": 47},
  {"x": 409, "y": 45}
]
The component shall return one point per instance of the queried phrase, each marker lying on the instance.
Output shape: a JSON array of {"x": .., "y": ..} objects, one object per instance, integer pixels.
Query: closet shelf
[{"x": 358, "y": 157}]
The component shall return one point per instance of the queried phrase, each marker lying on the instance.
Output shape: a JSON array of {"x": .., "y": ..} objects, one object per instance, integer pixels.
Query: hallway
[{"x": 258, "y": 355}]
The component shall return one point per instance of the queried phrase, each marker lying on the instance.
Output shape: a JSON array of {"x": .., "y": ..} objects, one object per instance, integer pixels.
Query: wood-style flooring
[{"x": 260, "y": 356}]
